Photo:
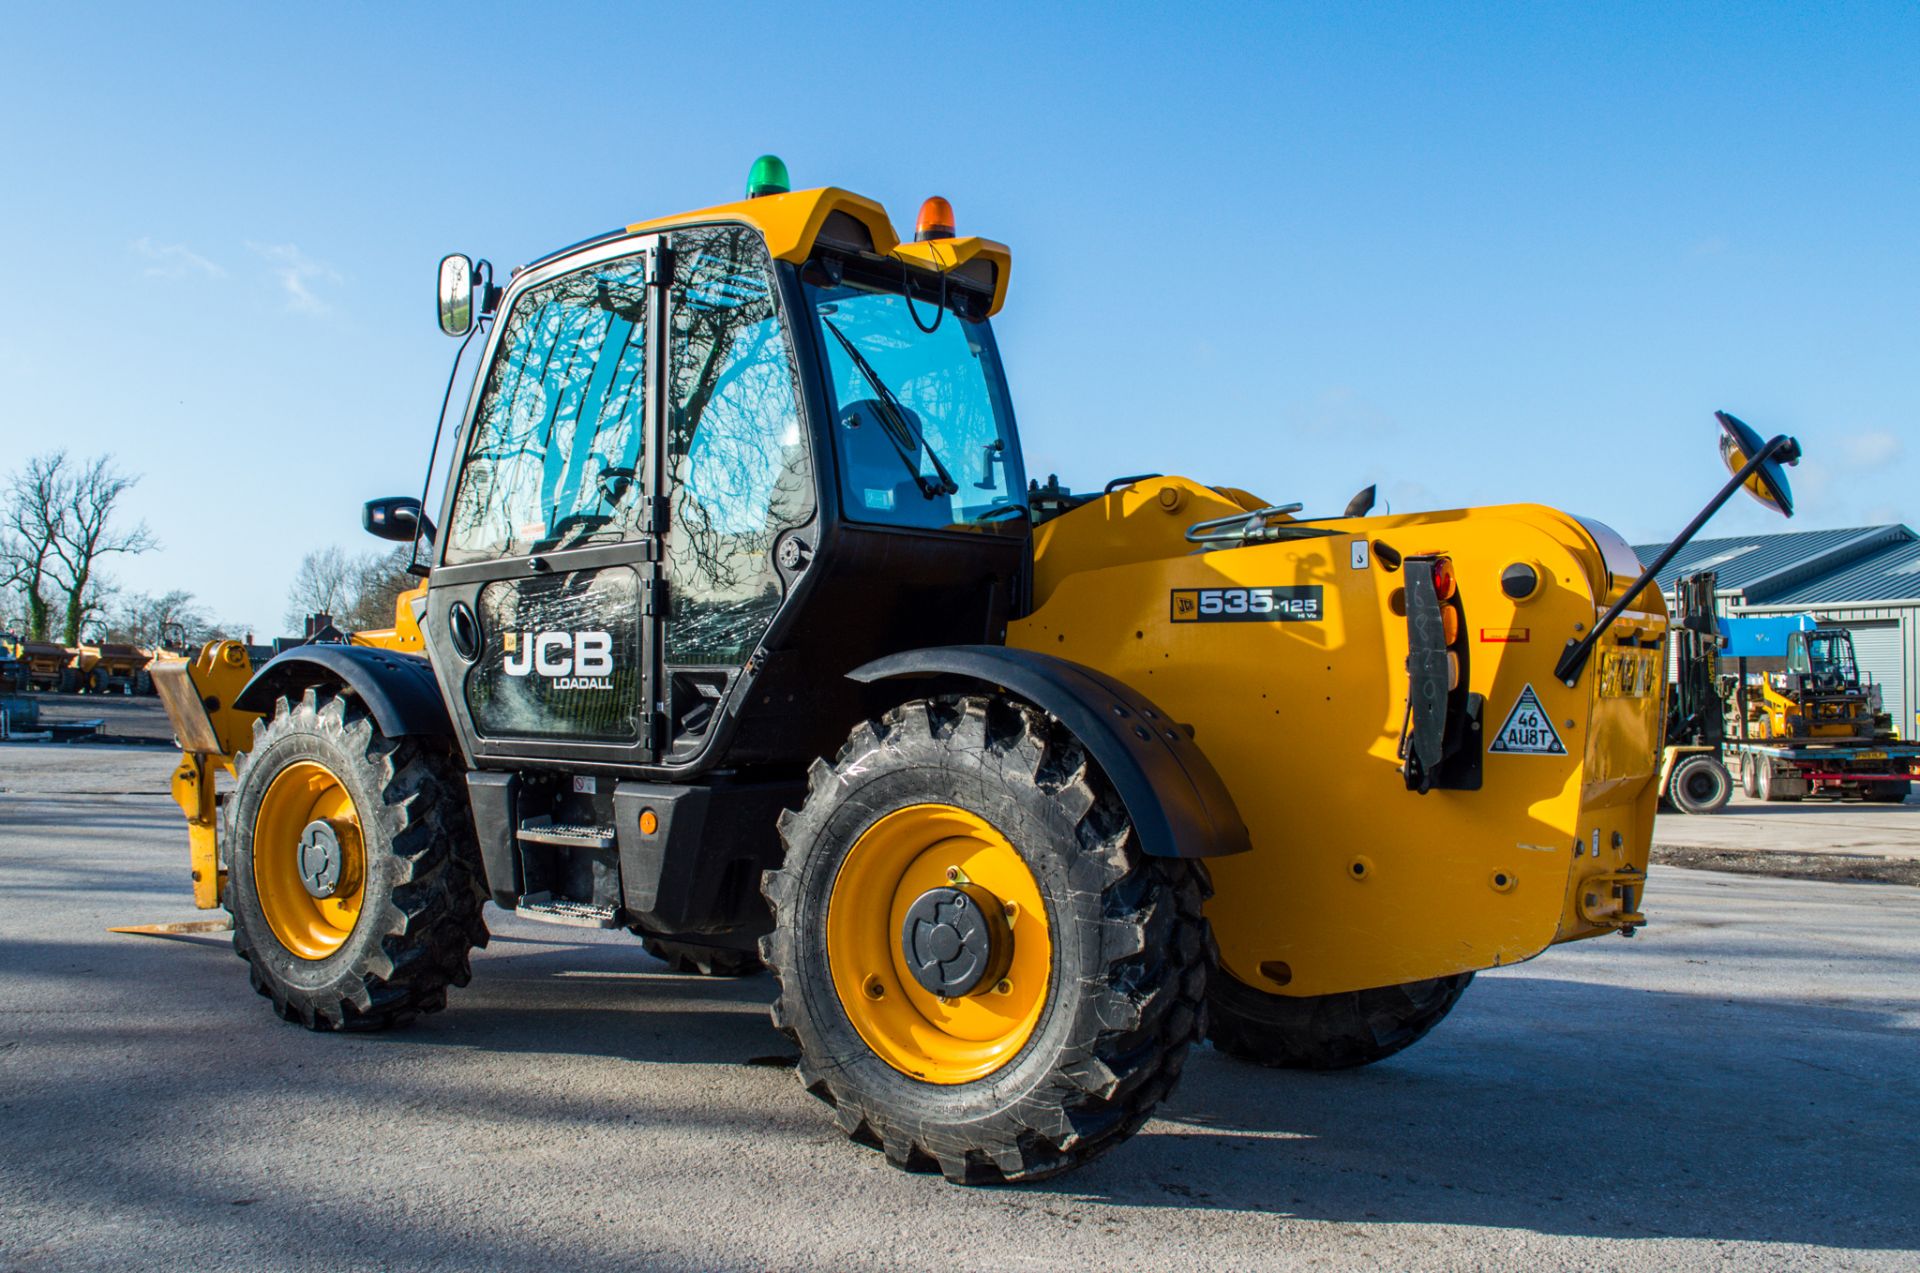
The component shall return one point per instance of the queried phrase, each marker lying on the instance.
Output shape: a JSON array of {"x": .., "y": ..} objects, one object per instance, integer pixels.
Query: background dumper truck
[{"x": 738, "y": 629}]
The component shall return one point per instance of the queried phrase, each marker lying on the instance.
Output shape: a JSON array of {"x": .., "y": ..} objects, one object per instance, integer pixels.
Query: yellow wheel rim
[
  {"x": 301, "y": 795},
  {"x": 904, "y": 854}
]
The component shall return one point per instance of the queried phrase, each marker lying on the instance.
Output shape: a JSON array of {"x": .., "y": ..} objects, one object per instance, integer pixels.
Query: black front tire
[
  {"x": 1325, "y": 1032},
  {"x": 1130, "y": 947},
  {"x": 420, "y": 911},
  {"x": 1699, "y": 784}
]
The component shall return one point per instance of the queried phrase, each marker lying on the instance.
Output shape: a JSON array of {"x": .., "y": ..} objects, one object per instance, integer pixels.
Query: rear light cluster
[
  {"x": 1452, "y": 620},
  {"x": 1441, "y": 741}
]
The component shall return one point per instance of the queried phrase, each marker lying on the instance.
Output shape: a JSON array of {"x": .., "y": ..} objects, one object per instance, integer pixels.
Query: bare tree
[
  {"x": 86, "y": 533},
  {"x": 149, "y": 621},
  {"x": 381, "y": 579},
  {"x": 356, "y": 590},
  {"x": 36, "y": 508},
  {"x": 324, "y": 584}
]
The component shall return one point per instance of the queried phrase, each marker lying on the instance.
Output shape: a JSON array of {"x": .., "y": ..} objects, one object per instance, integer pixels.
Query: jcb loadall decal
[
  {"x": 572, "y": 660},
  {"x": 1529, "y": 730}
]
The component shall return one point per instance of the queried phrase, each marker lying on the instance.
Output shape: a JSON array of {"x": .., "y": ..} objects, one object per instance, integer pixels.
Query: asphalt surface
[{"x": 1736, "y": 1087}]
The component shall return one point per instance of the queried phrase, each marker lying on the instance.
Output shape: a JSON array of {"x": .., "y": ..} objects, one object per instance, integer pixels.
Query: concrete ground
[
  {"x": 1736, "y": 1087},
  {"x": 1812, "y": 839}
]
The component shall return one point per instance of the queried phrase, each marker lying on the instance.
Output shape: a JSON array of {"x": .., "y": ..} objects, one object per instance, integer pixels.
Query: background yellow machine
[{"x": 742, "y": 628}]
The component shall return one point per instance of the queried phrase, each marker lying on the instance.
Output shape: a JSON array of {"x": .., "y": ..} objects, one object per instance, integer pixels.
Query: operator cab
[
  {"x": 711, "y": 464},
  {"x": 1825, "y": 658}
]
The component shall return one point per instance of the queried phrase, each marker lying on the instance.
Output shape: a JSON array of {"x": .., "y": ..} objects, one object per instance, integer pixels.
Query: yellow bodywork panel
[
  {"x": 404, "y": 636},
  {"x": 1353, "y": 880},
  {"x": 791, "y": 223}
]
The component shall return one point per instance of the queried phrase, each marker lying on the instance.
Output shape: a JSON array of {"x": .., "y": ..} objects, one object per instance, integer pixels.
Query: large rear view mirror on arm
[
  {"x": 1755, "y": 465},
  {"x": 397, "y": 517},
  {"x": 456, "y": 295}
]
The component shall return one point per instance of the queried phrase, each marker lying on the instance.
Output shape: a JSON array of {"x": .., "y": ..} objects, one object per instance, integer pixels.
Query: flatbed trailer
[{"x": 1876, "y": 770}]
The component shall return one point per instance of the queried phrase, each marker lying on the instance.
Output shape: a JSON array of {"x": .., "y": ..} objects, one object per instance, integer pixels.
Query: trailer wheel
[
  {"x": 1773, "y": 788},
  {"x": 1325, "y": 1032},
  {"x": 1749, "y": 777},
  {"x": 1700, "y": 784},
  {"x": 702, "y": 961},
  {"x": 1886, "y": 792},
  {"x": 985, "y": 974},
  {"x": 352, "y": 885}
]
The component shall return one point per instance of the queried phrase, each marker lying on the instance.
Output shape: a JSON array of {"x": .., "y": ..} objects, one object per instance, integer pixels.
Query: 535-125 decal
[{"x": 1296, "y": 604}]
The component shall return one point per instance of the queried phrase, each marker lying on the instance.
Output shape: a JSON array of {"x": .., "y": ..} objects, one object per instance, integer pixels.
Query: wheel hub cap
[
  {"x": 320, "y": 859},
  {"x": 951, "y": 942}
]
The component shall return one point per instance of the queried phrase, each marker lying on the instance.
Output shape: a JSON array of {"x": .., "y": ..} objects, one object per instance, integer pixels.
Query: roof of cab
[{"x": 791, "y": 223}]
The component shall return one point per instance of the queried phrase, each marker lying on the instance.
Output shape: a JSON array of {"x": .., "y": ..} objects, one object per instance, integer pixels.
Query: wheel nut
[
  {"x": 875, "y": 988},
  {"x": 1003, "y": 987},
  {"x": 953, "y": 875}
]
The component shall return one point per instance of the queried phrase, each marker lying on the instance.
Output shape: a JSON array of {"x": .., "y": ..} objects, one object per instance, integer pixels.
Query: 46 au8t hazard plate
[{"x": 1300, "y": 603}]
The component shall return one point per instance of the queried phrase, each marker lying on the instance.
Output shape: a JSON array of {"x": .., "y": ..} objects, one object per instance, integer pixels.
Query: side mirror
[
  {"x": 397, "y": 517},
  {"x": 1768, "y": 481},
  {"x": 456, "y": 295}
]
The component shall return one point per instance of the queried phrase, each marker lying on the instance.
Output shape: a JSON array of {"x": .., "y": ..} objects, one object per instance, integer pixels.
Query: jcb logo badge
[
  {"x": 571, "y": 660},
  {"x": 1300, "y": 604}
]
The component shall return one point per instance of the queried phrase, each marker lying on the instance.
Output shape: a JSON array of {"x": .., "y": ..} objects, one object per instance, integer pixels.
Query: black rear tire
[
  {"x": 1130, "y": 949},
  {"x": 703, "y": 961},
  {"x": 1699, "y": 784},
  {"x": 420, "y": 913},
  {"x": 1325, "y": 1032}
]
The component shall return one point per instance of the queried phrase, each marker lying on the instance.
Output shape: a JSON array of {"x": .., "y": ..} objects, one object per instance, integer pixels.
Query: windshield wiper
[{"x": 898, "y": 428}]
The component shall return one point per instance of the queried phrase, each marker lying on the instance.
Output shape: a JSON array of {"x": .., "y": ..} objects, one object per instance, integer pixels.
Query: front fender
[
  {"x": 399, "y": 690},
  {"x": 1177, "y": 802}
]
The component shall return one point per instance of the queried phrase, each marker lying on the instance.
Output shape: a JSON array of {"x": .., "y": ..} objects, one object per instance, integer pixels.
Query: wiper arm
[{"x": 897, "y": 426}]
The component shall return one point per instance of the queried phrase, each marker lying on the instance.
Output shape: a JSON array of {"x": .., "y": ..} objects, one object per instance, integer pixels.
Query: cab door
[{"x": 541, "y": 601}]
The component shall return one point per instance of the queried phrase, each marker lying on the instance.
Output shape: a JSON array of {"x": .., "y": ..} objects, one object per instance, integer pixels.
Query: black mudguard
[
  {"x": 1176, "y": 799},
  {"x": 398, "y": 689}
]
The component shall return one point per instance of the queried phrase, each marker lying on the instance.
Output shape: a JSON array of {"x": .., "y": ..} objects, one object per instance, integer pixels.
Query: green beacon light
[{"x": 767, "y": 176}]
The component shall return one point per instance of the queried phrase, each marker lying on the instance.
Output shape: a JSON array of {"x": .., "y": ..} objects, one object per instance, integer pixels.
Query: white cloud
[
  {"x": 1870, "y": 449},
  {"x": 173, "y": 260},
  {"x": 297, "y": 273}
]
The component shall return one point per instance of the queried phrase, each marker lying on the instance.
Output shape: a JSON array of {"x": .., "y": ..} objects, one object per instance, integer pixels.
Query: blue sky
[{"x": 1475, "y": 255}]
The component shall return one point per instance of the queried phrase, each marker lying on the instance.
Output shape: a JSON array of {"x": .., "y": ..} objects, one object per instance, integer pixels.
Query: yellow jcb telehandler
[{"x": 742, "y": 628}]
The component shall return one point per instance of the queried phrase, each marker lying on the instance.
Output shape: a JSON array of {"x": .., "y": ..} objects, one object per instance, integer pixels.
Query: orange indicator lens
[{"x": 936, "y": 220}]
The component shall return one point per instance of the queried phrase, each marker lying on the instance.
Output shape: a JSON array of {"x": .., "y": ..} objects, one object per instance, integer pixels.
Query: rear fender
[{"x": 1177, "y": 802}]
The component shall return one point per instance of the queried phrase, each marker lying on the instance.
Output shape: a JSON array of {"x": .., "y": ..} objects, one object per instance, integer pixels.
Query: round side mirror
[
  {"x": 1767, "y": 483},
  {"x": 456, "y": 295}
]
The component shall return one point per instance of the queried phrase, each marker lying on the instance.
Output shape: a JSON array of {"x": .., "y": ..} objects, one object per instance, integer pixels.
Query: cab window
[
  {"x": 736, "y": 456},
  {"x": 558, "y": 438},
  {"x": 922, "y": 421}
]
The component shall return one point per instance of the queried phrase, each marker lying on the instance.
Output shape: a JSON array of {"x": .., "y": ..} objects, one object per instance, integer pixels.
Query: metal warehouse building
[{"x": 1866, "y": 579}]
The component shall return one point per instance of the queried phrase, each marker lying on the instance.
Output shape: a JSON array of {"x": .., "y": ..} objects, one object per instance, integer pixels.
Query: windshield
[
  {"x": 1831, "y": 655},
  {"x": 921, "y": 420}
]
